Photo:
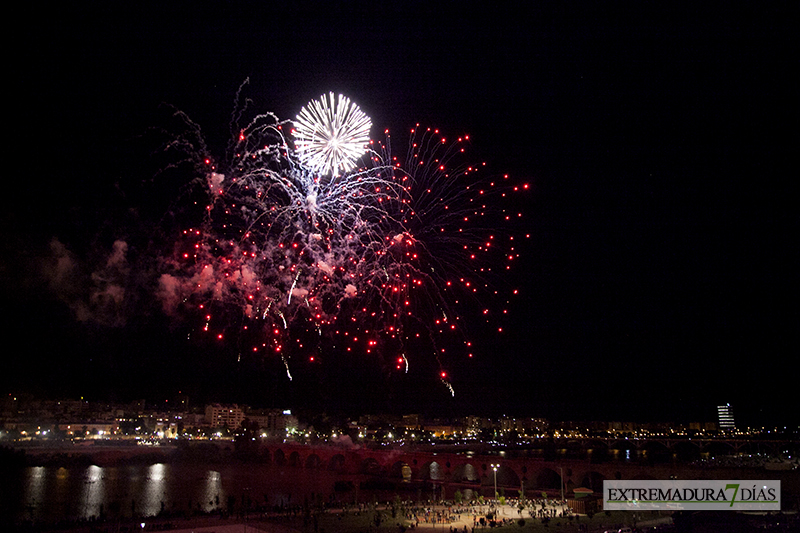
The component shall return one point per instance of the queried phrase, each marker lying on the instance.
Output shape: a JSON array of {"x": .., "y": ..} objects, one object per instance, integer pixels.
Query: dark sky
[{"x": 660, "y": 278}]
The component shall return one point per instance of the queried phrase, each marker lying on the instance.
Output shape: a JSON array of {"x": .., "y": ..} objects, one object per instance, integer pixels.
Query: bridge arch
[
  {"x": 597, "y": 450},
  {"x": 370, "y": 466},
  {"x": 266, "y": 457},
  {"x": 336, "y": 463},
  {"x": 294, "y": 459},
  {"x": 432, "y": 471},
  {"x": 507, "y": 478},
  {"x": 657, "y": 452},
  {"x": 547, "y": 478},
  {"x": 686, "y": 451},
  {"x": 717, "y": 448},
  {"x": 279, "y": 458},
  {"x": 313, "y": 461},
  {"x": 574, "y": 449},
  {"x": 593, "y": 480},
  {"x": 400, "y": 470},
  {"x": 465, "y": 472},
  {"x": 749, "y": 448},
  {"x": 624, "y": 450}
]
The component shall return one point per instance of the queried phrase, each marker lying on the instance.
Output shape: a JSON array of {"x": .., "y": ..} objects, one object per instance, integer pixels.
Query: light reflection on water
[
  {"x": 209, "y": 498},
  {"x": 92, "y": 493},
  {"x": 82, "y": 492},
  {"x": 34, "y": 489}
]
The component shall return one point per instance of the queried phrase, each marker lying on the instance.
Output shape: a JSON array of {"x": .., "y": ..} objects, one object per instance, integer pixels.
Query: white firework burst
[{"x": 331, "y": 135}]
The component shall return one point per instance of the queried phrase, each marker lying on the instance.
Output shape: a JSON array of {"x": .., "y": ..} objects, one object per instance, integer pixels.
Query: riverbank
[
  {"x": 207, "y": 484},
  {"x": 446, "y": 517},
  {"x": 375, "y": 519},
  {"x": 99, "y": 453}
]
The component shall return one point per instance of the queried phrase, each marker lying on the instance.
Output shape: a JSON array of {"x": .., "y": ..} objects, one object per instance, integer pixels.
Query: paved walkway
[
  {"x": 202, "y": 524},
  {"x": 465, "y": 519},
  {"x": 214, "y": 524},
  {"x": 260, "y": 527}
]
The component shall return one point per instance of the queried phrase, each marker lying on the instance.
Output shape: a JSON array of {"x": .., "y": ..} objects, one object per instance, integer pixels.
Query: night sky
[{"x": 660, "y": 276}]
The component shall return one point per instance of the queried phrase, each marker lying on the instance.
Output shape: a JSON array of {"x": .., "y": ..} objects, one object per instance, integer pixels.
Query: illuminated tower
[{"x": 725, "y": 413}]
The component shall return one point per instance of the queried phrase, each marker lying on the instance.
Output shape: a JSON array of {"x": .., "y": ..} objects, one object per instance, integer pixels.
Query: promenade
[{"x": 440, "y": 517}]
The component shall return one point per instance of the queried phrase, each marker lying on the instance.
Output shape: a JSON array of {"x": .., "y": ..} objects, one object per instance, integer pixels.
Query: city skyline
[
  {"x": 25, "y": 418},
  {"x": 658, "y": 275}
]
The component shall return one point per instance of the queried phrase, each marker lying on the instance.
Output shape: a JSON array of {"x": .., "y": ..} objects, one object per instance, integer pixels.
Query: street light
[{"x": 494, "y": 468}]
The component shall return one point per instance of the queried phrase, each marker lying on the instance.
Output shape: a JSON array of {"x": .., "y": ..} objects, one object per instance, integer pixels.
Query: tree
[
  {"x": 246, "y": 440},
  {"x": 396, "y": 505}
]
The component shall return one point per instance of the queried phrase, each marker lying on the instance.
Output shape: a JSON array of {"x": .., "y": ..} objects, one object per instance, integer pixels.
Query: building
[
  {"x": 218, "y": 415},
  {"x": 725, "y": 413},
  {"x": 524, "y": 426},
  {"x": 411, "y": 421},
  {"x": 276, "y": 422},
  {"x": 93, "y": 429},
  {"x": 440, "y": 430},
  {"x": 474, "y": 424}
]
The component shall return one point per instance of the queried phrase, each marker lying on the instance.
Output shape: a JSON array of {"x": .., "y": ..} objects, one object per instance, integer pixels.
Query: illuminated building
[
  {"x": 218, "y": 415},
  {"x": 725, "y": 413}
]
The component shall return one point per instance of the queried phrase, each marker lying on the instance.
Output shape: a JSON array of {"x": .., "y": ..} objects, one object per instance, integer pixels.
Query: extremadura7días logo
[{"x": 698, "y": 495}]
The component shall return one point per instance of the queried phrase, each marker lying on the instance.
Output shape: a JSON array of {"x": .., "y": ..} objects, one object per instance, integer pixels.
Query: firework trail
[{"x": 316, "y": 239}]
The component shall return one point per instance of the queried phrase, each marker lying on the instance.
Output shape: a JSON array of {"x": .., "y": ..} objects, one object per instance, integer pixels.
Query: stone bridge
[
  {"x": 679, "y": 446},
  {"x": 475, "y": 471}
]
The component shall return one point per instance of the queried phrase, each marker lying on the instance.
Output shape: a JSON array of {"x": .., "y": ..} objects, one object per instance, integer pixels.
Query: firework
[
  {"x": 331, "y": 135},
  {"x": 314, "y": 255}
]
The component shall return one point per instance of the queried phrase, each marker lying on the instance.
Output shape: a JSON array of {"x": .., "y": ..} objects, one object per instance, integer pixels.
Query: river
[{"x": 53, "y": 494}]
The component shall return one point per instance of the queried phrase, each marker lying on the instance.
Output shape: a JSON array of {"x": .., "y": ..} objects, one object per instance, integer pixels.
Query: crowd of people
[{"x": 459, "y": 516}]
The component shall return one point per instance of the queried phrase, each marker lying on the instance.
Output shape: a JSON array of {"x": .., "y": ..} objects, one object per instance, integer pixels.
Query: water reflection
[
  {"x": 34, "y": 490},
  {"x": 470, "y": 474},
  {"x": 211, "y": 492},
  {"x": 52, "y": 494},
  {"x": 434, "y": 471},
  {"x": 92, "y": 494},
  {"x": 153, "y": 494}
]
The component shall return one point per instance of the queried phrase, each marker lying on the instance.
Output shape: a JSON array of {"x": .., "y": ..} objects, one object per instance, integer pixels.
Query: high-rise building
[
  {"x": 725, "y": 413},
  {"x": 224, "y": 415},
  {"x": 276, "y": 421}
]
